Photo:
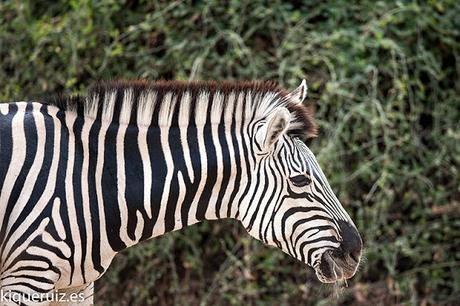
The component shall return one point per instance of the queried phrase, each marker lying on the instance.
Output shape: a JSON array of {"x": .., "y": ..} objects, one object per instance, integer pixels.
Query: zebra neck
[{"x": 170, "y": 177}]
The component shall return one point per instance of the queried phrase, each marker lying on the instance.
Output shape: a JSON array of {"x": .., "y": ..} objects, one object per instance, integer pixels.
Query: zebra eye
[{"x": 300, "y": 180}]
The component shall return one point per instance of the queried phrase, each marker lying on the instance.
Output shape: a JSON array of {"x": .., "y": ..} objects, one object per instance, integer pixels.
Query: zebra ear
[
  {"x": 299, "y": 94},
  {"x": 277, "y": 124}
]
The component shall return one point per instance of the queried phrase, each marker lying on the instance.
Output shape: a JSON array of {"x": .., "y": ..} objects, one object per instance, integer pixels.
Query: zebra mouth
[{"x": 334, "y": 267}]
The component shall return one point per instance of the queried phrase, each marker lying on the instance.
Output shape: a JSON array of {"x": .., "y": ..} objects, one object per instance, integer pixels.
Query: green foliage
[{"x": 385, "y": 79}]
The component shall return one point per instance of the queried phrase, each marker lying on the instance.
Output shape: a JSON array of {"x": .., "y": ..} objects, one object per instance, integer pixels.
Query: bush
[{"x": 385, "y": 79}]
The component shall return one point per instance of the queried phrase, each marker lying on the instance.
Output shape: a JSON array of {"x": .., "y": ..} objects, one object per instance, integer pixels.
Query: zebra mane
[{"x": 160, "y": 103}]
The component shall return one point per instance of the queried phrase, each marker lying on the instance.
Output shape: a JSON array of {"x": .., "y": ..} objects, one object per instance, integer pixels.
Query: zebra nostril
[{"x": 351, "y": 244}]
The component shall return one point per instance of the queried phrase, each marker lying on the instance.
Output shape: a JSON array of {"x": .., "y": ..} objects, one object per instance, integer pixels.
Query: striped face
[{"x": 298, "y": 212}]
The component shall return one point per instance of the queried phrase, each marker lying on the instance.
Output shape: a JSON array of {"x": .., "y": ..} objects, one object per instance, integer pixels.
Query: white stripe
[
  {"x": 139, "y": 226},
  {"x": 167, "y": 107},
  {"x": 77, "y": 276},
  {"x": 216, "y": 119},
  {"x": 91, "y": 105},
  {"x": 121, "y": 184},
  {"x": 88, "y": 123},
  {"x": 144, "y": 118},
  {"x": 184, "y": 115},
  {"x": 57, "y": 220},
  {"x": 146, "y": 106},
  {"x": 109, "y": 106},
  {"x": 228, "y": 114},
  {"x": 180, "y": 201},
  {"x": 17, "y": 159},
  {"x": 147, "y": 168},
  {"x": 34, "y": 263},
  {"x": 4, "y": 108},
  {"x": 126, "y": 107}
]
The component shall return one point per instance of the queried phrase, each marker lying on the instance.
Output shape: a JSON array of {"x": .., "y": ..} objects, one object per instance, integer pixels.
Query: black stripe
[
  {"x": 178, "y": 165},
  {"x": 109, "y": 180},
  {"x": 159, "y": 170},
  {"x": 6, "y": 141},
  {"x": 226, "y": 167},
  {"x": 110, "y": 190},
  {"x": 211, "y": 159},
  {"x": 93, "y": 202},
  {"x": 77, "y": 190},
  {"x": 60, "y": 189},
  {"x": 134, "y": 175}
]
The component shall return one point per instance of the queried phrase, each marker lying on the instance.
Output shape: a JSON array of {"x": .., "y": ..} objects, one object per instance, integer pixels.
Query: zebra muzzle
[{"x": 335, "y": 267}]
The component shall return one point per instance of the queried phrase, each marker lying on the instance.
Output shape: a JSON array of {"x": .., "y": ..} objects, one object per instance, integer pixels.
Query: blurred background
[{"x": 384, "y": 77}]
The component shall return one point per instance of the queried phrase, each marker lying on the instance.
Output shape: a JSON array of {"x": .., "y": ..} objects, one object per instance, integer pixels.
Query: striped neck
[
  {"x": 171, "y": 154},
  {"x": 175, "y": 174},
  {"x": 179, "y": 159}
]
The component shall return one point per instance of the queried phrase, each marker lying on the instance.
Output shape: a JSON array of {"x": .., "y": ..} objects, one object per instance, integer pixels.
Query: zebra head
[{"x": 292, "y": 205}]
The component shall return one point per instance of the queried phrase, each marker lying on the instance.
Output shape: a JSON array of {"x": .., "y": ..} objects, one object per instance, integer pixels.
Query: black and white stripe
[{"x": 81, "y": 180}]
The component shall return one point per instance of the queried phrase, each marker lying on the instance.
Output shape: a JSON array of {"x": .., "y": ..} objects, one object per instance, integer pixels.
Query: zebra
[{"x": 85, "y": 177}]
